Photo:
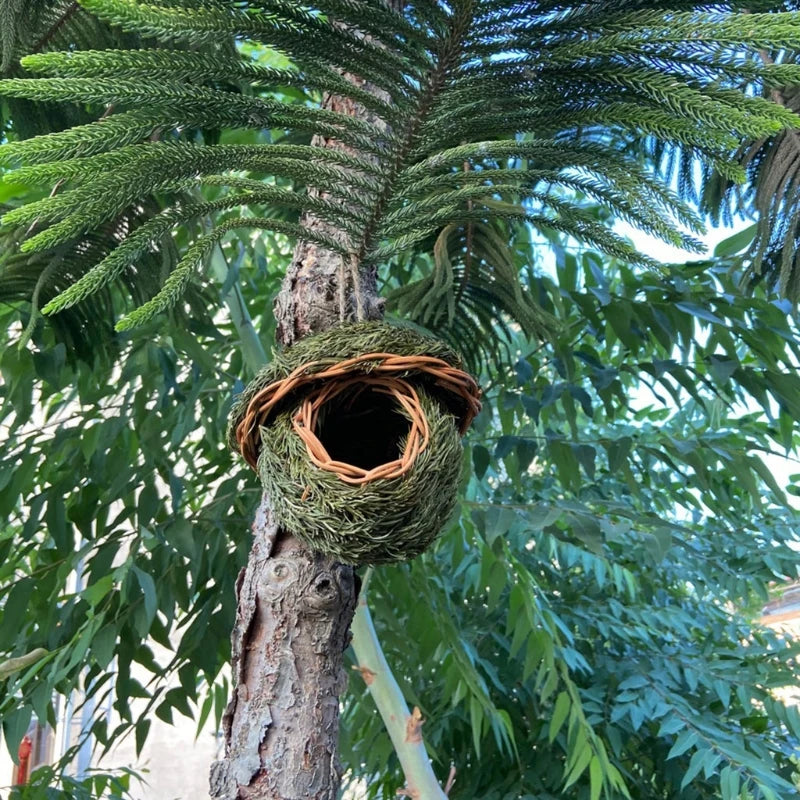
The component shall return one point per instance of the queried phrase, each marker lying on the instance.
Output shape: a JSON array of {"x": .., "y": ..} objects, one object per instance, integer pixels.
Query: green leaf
[
  {"x": 480, "y": 460},
  {"x": 14, "y": 612},
  {"x": 729, "y": 783},
  {"x": 595, "y": 778},
  {"x": 202, "y": 717},
  {"x": 476, "y": 723},
  {"x": 582, "y": 758},
  {"x": 686, "y": 739},
  {"x": 103, "y": 645},
  {"x": 699, "y": 312},
  {"x": 148, "y": 587},
  {"x": 559, "y": 715},
  {"x": 96, "y": 591},
  {"x": 695, "y": 765},
  {"x": 141, "y": 730},
  {"x": 15, "y": 725},
  {"x": 57, "y": 525},
  {"x": 148, "y": 504},
  {"x": 736, "y": 242}
]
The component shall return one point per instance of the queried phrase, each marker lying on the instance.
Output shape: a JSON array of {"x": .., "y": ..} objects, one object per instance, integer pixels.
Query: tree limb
[{"x": 404, "y": 729}]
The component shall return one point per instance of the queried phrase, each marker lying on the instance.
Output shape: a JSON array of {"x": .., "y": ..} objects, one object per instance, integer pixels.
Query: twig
[
  {"x": 451, "y": 779},
  {"x": 16, "y": 664},
  {"x": 74, "y": 7}
]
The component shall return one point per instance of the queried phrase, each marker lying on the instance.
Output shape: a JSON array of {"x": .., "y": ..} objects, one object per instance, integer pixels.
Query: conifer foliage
[
  {"x": 771, "y": 195},
  {"x": 479, "y": 114}
]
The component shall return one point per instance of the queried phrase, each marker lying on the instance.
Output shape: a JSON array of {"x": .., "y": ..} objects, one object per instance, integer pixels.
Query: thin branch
[
  {"x": 65, "y": 17},
  {"x": 451, "y": 779},
  {"x": 404, "y": 729}
]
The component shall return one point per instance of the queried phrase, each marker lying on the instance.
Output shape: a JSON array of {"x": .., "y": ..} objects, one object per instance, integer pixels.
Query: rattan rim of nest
[
  {"x": 389, "y": 367},
  {"x": 305, "y": 421}
]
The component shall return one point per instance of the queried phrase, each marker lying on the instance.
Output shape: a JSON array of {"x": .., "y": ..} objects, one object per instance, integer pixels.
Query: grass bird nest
[{"x": 356, "y": 436}]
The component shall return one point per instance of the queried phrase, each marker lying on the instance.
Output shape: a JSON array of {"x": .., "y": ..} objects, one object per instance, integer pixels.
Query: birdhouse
[{"x": 356, "y": 436}]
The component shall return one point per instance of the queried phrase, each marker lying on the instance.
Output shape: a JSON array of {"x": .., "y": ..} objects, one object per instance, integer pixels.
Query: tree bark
[
  {"x": 292, "y": 627},
  {"x": 319, "y": 290},
  {"x": 294, "y": 609}
]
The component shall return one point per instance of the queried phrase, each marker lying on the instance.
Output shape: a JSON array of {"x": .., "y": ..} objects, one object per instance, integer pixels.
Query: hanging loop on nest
[{"x": 356, "y": 436}]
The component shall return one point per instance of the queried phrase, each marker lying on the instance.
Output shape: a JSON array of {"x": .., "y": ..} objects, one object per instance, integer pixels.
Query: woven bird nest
[{"x": 356, "y": 436}]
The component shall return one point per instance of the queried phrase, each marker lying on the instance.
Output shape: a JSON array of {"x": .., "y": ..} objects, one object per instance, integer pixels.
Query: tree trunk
[
  {"x": 295, "y": 606},
  {"x": 294, "y": 609},
  {"x": 292, "y": 627}
]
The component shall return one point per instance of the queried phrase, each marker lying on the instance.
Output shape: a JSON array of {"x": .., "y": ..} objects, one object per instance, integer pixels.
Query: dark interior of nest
[{"x": 363, "y": 428}]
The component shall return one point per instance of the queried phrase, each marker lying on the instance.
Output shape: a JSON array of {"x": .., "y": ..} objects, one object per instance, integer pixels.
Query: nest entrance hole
[{"x": 363, "y": 427}]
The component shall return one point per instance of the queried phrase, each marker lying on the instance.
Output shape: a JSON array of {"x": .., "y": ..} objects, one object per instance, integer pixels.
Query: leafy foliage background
[{"x": 593, "y": 600}]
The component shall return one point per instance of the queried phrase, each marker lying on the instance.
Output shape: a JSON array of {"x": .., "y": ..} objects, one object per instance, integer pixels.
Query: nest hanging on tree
[{"x": 355, "y": 434}]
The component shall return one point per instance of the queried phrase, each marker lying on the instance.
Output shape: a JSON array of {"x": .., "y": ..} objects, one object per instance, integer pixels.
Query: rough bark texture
[
  {"x": 319, "y": 290},
  {"x": 282, "y": 723}
]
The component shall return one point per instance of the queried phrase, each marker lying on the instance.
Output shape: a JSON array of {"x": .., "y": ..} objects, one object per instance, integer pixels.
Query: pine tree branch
[
  {"x": 63, "y": 19},
  {"x": 436, "y": 80}
]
